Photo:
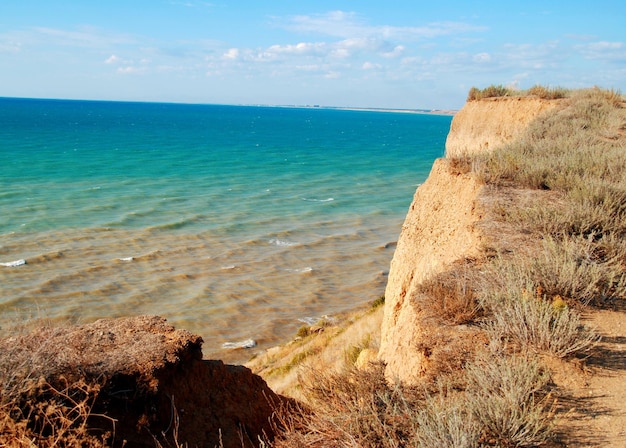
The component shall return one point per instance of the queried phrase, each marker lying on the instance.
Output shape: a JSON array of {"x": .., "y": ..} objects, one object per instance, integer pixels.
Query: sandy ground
[{"x": 595, "y": 394}]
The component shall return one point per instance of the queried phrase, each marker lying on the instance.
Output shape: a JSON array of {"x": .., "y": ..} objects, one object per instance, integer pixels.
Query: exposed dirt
[
  {"x": 595, "y": 394},
  {"x": 488, "y": 123}
]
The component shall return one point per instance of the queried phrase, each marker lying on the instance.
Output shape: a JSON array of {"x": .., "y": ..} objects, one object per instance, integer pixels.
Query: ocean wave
[
  {"x": 282, "y": 243},
  {"x": 42, "y": 258},
  {"x": 13, "y": 264},
  {"x": 318, "y": 200},
  {"x": 301, "y": 270},
  {"x": 248, "y": 343},
  {"x": 310, "y": 320}
]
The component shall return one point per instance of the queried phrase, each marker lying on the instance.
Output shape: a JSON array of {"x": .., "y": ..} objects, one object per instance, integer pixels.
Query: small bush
[
  {"x": 451, "y": 296},
  {"x": 507, "y": 396},
  {"x": 35, "y": 412},
  {"x": 352, "y": 408},
  {"x": 547, "y": 93},
  {"x": 492, "y": 91},
  {"x": 536, "y": 324},
  {"x": 447, "y": 423}
]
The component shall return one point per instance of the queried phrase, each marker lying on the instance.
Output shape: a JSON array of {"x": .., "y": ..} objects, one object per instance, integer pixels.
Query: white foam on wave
[
  {"x": 126, "y": 259},
  {"x": 282, "y": 243},
  {"x": 318, "y": 200},
  {"x": 301, "y": 270},
  {"x": 14, "y": 264},
  {"x": 248, "y": 343},
  {"x": 229, "y": 267},
  {"x": 310, "y": 320}
]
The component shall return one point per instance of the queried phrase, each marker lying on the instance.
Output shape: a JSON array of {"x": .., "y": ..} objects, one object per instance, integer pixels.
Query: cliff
[
  {"x": 134, "y": 382},
  {"x": 444, "y": 225},
  {"x": 488, "y": 123}
]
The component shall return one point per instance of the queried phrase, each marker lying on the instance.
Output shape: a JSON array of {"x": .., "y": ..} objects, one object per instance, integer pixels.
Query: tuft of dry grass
[
  {"x": 492, "y": 91},
  {"x": 547, "y": 93},
  {"x": 496, "y": 91},
  {"x": 505, "y": 402},
  {"x": 508, "y": 397},
  {"x": 451, "y": 295},
  {"x": 447, "y": 422},
  {"x": 536, "y": 324},
  {"x": 351, "y": 408},
  {"x": 37, "y": 412}
]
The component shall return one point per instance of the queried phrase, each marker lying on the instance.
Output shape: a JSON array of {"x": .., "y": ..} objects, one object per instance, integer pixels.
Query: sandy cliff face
[
  {"x": 441, "y": 226},
  {"x": 489, "y": 123}
]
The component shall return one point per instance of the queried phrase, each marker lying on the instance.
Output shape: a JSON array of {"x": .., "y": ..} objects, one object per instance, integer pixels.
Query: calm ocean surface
[{"x": 231, "y": 222}]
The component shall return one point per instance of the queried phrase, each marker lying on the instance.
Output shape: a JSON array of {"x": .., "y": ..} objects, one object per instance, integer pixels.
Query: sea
[{"x": 237, "y": 223}]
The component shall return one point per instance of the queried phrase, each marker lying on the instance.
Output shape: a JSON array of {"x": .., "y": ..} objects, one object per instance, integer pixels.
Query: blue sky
[{"x": 394, "y": 54}]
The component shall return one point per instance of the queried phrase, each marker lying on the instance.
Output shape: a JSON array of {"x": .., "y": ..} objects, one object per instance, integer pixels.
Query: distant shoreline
[
  {"x": 285, "y": 106},
  {"x": 375, "y": 109}
]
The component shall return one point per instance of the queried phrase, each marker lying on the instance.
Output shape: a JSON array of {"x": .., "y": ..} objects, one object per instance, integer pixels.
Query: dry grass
[
  {"x": 35, "y": 411},
  {"x": 492, "y": 91},
  {"x": 451, "y": 295},
  {"x": 508, "y": 397},
  {"x": 539, "y": 325},
  {"x": 496, "y": 91},
  {"x": 351, "y": 409},
  {"x": 505, "y": 402}
]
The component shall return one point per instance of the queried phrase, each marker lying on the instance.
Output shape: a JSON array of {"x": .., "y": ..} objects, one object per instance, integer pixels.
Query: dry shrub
[
  {"x": 492, "y": 91},
  {"x": 577, "y": 267},
  {"x": 507, "y": 397},
  {"x": 505, "y": 404},
  {"x": 35, "y": 411},
  {"x": 547, "y": 93},
  {"x": 352, "y": 408},
  {"x": 447, "y": 422},
  {"x": 535, "y": 324},
  {"x": 451, "y": 295}
]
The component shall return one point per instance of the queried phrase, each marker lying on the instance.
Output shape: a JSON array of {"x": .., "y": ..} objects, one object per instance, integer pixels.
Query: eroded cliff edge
[{"x": 443, "y": 227}]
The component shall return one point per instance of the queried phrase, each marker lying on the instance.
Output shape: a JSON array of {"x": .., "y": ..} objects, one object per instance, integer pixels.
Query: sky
[{"x": 407, "y": 54}]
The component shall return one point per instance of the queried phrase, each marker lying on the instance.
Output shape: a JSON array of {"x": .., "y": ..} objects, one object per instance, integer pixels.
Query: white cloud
[
  {"x": 131, "y": 70},
  {"x": 397, "y": 51},
  {"x": 482, "y": 58},
  {"x": 113, "y": 59},
  {"x": 371, "y": 66},
  {"x": 603, "y": 50},
  {"x": 81, "y": 37},
  {"x": 349, "y": 24},
  {"x": 9, "y": 47},
  {"x": 232, "y": 54}
]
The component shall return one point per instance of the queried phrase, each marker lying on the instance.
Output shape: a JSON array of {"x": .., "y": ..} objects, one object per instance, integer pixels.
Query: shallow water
[{"x": 235, "y": 223}]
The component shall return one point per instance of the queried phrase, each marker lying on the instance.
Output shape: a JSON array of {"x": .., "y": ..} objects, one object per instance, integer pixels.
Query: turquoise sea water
[{"x": 232, "y": 222}]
